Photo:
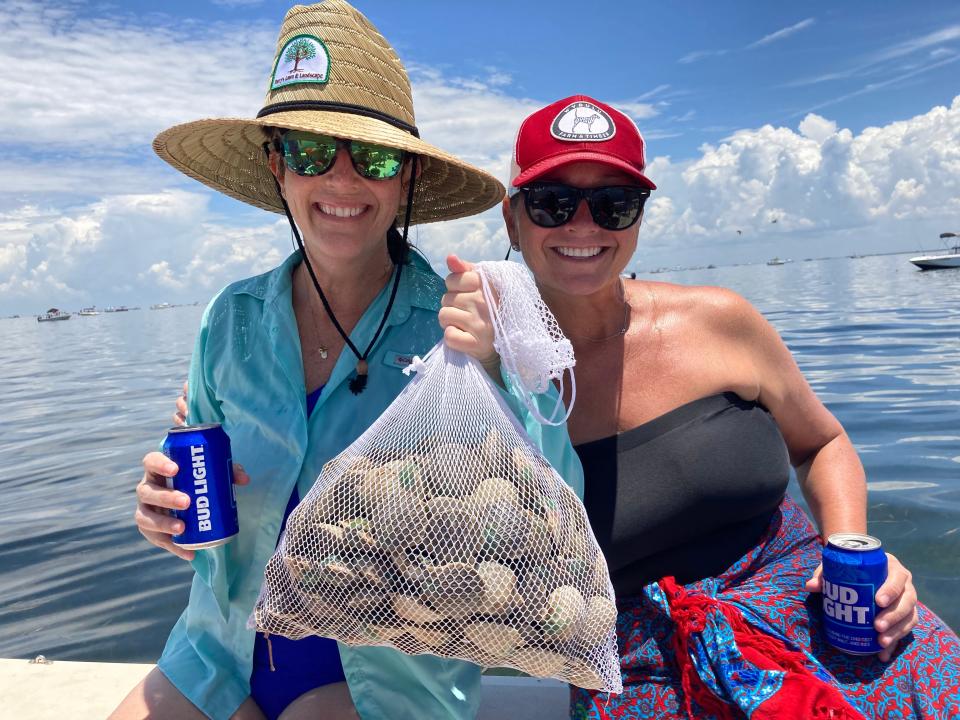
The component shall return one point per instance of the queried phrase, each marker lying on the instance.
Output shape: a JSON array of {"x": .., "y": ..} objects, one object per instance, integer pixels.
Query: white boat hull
[{"x": 937, "y": 262}]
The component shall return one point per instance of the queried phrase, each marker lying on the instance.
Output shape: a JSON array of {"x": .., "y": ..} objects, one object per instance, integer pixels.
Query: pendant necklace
[
  {"x": 322, "y": 351},
  {"x": 359, "y": 381}
]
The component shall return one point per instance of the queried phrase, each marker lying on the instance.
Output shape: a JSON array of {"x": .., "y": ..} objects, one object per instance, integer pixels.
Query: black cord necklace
[{"x": 359, "y": 382}]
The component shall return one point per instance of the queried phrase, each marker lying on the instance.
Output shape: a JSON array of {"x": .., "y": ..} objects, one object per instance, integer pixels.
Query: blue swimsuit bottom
[{"x": 299, "y": 665}]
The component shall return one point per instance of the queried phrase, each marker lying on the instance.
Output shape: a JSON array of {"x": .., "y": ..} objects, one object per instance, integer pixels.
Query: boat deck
[{"x": 89, "y": 690}]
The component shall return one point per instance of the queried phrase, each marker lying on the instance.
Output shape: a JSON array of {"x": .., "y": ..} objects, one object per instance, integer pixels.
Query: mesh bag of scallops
[{"x": 443, "y": 530}]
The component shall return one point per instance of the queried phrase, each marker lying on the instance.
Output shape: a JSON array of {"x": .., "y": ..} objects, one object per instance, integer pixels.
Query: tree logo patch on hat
[
  {"x": 303, "y": 59},
  {"x": 583, "y": 122}
]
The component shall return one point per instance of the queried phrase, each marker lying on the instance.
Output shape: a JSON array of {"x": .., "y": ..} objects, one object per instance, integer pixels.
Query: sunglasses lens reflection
[
  {"x": 551, "y": 205},
  {"x": 613, "y": 208},
  {"x": 616, "y": 208},
  {"x": 375, "y": 161},
  {"x": 308, "y": 154},
  {"x": 311, "y": 155}
]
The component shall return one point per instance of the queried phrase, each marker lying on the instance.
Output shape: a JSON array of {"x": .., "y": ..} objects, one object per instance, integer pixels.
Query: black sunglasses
[
  {"x": 613, "y": 207},
  {"x": 311, "y": 155}
]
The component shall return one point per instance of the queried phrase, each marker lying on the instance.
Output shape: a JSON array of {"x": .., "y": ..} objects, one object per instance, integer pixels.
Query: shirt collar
[{"x": 419, "y": 287}]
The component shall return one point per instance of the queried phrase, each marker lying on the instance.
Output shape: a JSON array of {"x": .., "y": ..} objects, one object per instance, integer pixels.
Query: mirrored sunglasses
[
  {"x": 613, "y": 207},
  {"x": 310, "y": 155}
]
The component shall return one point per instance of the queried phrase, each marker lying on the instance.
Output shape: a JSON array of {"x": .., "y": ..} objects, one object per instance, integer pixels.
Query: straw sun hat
[{"x": 334, "y": 74}]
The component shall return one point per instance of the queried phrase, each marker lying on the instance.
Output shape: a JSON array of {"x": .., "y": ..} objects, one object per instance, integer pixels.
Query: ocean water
[{"x": 87, "y": 398}]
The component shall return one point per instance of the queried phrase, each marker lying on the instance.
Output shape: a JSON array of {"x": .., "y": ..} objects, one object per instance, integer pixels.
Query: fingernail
[
  {"x": 170, "y": 469},
  {"x": 882, "y": 625},
  {"x": 883, "y": 600}
]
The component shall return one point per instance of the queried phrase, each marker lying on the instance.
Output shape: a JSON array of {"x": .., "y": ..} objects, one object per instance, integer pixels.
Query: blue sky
[{"x": 836, "y": 119}]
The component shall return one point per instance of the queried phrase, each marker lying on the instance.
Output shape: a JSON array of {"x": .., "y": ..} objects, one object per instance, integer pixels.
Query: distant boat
[
  {"x": 88, "y": 311},
  {"x": 942, "y": 260},
  {"x": 161, "y": 306},
  {"x": 118, "y": 308},
  {"x": 776, "y": 261},
  {"x": 53, "y": 314}
]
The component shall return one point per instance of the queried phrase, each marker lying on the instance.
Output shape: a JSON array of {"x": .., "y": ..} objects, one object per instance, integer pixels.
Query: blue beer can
[
  {"x": 205, "y": 473},
  {"x": 854, "y": 568}
]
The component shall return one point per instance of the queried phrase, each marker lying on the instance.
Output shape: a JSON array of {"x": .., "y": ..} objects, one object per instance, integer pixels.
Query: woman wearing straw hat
[
  {"x": 697, "y": 412},
  {"x": 296, "y": 363}
]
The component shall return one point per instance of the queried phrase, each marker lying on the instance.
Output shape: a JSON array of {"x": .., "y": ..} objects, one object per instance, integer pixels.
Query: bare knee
[
  {"x": 331, "y": 702},
  {"x": 157, "y": 698}
]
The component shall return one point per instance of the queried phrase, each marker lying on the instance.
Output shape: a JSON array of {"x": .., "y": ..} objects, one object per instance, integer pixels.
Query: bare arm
[{"x": 829, "y": 470}]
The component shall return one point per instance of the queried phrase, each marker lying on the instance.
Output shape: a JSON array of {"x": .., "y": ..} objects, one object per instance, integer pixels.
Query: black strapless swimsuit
[{"x": 687, "y": 493}]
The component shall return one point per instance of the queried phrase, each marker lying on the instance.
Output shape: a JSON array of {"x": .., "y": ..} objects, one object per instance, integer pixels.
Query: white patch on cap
[
  {"x": 583, "y": 122},
  {"x": 302, "y": 59}
]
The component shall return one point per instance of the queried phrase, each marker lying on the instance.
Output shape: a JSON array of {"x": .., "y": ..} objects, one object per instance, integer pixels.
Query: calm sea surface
[{"x": 86, "y": 398}]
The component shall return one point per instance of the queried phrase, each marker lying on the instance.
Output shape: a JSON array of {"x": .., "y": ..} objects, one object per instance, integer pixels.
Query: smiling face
[
  {"x": 342, "y": 216},
  {"x": 579, "y": 257}
]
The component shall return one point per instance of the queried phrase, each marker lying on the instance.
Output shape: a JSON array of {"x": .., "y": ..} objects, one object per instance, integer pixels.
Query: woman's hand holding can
[{"x": 155, "y": 500}]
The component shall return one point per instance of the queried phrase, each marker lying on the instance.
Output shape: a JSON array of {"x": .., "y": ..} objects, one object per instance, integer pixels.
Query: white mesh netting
[{"x": 443, "y": 530}]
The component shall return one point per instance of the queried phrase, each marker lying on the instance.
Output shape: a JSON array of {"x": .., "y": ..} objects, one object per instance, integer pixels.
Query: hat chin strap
[{"x": 359, "y": 381}]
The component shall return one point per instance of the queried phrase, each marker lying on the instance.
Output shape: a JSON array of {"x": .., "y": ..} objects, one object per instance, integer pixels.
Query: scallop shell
[
  {"x": 494, "y": 489},
  {"x": 599, "y": 620},
  {"x": 376, "y": 571},
  {"x": 494, "y": 452},
  {"x": 380, "y": 633},
  {"x": 394, "y": 478},
  {"x": 506, "y": 528},
  {"x": 299, "y": 566},
  {"x": 432, "y": 637},
  {"x": 533, "y": 592},
  {"x": 493, "y": 638},
  {"x": 538, "y": 662},
  {"x": 468, "y": 651},
  {"x": 549, "y": 509},
  {"x": 579, "y": 673},
  {"x": 397, "y": 520},
  {"x": 523, "y": 468},
  {"x": 342, "y": 494},
  {"x": 335, "y": 571},
  {"x": 499, "y": 587},
  {"x": 305, "y": 536},
  {"x": 539, "y": 541},
  {"x": 413, "y": 610},
  {"x": 452, "y": 532},
  {"x": 358, "y": 535},
  {"x": 562, "y": 611},
  {"x": 454, "y": 589}
]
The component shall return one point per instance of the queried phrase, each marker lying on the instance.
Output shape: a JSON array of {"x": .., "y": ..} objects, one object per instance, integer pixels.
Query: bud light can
[
  {"x": 854, "y": 568},
  {"x": 205, "y": 473}
]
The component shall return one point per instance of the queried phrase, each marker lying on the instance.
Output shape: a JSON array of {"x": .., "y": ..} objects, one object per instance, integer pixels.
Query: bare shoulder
[{"x": 717, "y": 307}]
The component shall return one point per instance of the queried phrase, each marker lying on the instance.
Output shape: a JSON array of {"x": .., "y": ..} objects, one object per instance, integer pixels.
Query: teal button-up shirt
[{"x": 247, "y": 373}]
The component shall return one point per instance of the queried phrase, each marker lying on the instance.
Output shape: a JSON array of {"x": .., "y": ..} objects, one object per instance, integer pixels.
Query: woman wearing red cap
[{"x": 690, "y": 412}]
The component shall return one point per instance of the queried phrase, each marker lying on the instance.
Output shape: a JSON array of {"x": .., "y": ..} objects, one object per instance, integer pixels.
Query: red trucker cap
[{"x": 576, "y": 129}]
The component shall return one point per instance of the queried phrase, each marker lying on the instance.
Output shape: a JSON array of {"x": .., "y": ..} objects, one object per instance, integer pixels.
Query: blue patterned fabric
[{"x": 921, "y": 682}]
